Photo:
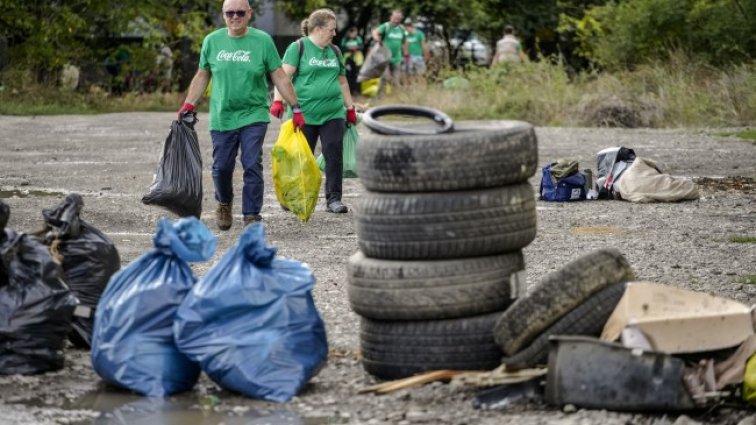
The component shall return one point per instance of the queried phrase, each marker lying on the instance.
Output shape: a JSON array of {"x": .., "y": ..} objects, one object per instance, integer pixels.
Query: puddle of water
[
  {"x": 113, "y": 407},
  {"x": 21, "y": 193}
]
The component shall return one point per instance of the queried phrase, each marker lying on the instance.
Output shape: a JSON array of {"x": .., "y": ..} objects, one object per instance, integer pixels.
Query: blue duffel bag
[
  {"x": 252, "y": 324},
  {"x": 568, "y": 188},
  {"x": 132, "y": 341}
]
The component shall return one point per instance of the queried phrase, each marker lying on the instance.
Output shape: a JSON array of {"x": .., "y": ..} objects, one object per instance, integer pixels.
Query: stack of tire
[{"x": 440, "y": 228}]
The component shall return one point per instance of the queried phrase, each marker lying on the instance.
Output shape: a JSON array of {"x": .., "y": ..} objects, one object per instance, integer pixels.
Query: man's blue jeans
[{"x": 225, "y": 146}]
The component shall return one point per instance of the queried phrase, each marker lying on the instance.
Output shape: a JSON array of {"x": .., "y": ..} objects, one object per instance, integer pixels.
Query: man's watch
[{"x": 296, "y": 108}]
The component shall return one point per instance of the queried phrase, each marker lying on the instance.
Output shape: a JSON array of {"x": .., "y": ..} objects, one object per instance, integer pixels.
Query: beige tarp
[{"x": 644, "y": 182}]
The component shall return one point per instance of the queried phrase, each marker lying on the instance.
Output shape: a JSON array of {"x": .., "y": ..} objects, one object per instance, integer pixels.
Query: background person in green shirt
[
  {"x": 395, "y": 37},
  {"x": 319, "y": 80},
  {"x": 417, "y": 46},
  {"x": 237, "y": 58},
  {"x": 351, "y": 46}
]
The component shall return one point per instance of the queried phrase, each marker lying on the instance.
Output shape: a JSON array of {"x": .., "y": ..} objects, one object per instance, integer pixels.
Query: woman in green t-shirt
[{"x": 318, "y": 74}]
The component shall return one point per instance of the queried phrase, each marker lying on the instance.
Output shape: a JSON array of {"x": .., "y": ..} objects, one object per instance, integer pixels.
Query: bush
[
  {"x": 619, "y": 35},
  {"x": 681, "y": 92}
]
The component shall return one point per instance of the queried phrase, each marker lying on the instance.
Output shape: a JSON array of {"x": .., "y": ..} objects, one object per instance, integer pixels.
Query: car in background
[{"x": 469, "y": 49}]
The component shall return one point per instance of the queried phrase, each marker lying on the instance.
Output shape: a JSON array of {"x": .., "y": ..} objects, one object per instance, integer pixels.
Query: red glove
[
  {"x": 277, "y": 109},
  {"x": 187, "y": 107},
  {"x": 297, "y": 117},
  {"x": 351, "y": 117},
  {"x": 406, "y": 59}
]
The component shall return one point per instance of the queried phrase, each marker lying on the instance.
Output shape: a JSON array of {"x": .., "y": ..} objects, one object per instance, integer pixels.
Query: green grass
[
  {"x": 53, "y": 101},
  {"x": 748, "y": 279},
  {"x": 749, "y": 135},
  {"x": 679, "y": 93},
  {"x": 743, "y": 239}
]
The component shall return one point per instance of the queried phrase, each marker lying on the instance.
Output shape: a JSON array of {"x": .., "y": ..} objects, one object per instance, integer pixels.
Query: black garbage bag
[
  {"x": 178, "y": 182},
  {"x": 89, "y": 259},
  {"x": 36, "y": 306}
]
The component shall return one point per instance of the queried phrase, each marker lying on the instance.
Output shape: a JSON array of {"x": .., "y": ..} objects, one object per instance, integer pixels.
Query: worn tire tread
[
  {"x": 477, "y": 154},
  {"x": 587, "y": 319},
  {"x": 430, "y": 290},
  {"x": 419, "y": 226},
  {"x": 393, "y": 350},
  {"x": 557, "y": 294}
]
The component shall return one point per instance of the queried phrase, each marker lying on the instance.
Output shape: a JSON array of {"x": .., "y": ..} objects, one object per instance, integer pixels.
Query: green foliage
[
  {"x": 749, "y": 135},
  {"x": 683, "y": 93},
  {"x": 44, "y": 35},
  {"x": 622, "y": 34},
  {"x": 748, "y": 279},
  {"x": 34, "y": 99},
  {"x": 743, "y": 239}
]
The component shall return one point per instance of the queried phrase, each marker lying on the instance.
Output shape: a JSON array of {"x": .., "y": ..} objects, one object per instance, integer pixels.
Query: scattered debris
[
  {"x": 412, "y": 381},
  {"x": 739, "y": 183},
  {"x": 498, "y": 376},
  {"x": 677, "y": 320},
  {"x": 504, "y": 396},
  {"x": 595, "y": 374}
]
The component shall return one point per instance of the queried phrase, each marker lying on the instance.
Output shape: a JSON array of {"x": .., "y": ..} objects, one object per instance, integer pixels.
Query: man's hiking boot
[
  {"x": 337, "y": 207},
  {"x": 223, "y": 215},
  {"x": 252, "y": 219}
]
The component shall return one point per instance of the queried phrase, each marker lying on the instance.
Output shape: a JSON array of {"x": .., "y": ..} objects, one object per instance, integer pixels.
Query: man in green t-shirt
[
  {"x": 395, "y": 37},
  {"x": 238, "y": 58},
  {"x": 414, "y": 66}
]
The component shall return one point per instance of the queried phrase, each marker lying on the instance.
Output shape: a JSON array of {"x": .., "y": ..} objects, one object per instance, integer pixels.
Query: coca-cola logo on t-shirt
[
  {"x": 325, "y": 63},
  {"x": 237, "y": 56}
]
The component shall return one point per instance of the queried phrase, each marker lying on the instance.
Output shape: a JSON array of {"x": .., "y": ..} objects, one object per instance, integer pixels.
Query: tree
[
  {"x": 44, "y": 35},
  {"x": 619, "y": 35}
]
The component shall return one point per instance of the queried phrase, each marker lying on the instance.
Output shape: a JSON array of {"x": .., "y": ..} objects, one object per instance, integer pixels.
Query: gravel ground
[{"x": 110, "y": 160}]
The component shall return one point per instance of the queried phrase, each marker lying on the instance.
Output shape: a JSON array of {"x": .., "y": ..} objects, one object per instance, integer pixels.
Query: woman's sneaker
[{"x": 337, "y": 207}]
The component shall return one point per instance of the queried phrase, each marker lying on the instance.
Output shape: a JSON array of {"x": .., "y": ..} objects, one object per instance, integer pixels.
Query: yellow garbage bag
[
  {"x": 749, "y": 382},
  {"x": 369, "y": 88},
  {"x": 296, "y": 175}
]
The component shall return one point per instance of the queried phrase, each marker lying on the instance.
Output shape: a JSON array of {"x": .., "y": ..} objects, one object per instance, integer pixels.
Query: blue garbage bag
[
  {"x": 252, "y": 324},
  {"x": 132, "y": 341}
]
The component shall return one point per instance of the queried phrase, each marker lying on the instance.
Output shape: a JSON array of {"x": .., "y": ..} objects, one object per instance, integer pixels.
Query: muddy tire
[
  {"x": 393, "y": 350},
  {"x": 587, "y": 319},
  {"x": 556, "y": 295},
  {"x": 421, "y": 226},
  {"x": 478, "y": 154},
  {"x": 430, "y": 290}
]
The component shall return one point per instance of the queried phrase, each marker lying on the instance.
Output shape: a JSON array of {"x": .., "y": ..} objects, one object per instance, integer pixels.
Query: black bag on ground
[
  {"x": 89, "y": 259},
  {"x": 36, "y": 306},
  {"x": 178, "y": 181}
]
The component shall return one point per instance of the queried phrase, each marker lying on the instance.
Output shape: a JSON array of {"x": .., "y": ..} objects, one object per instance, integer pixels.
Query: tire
[
  {"x": 587, "y": 319},
  {"x": 370, "y": 119},
  {"x": 430, "y": 290},
  {"x": 557, "y": 294},
  {"x": 422, "y": 226},
  {"x": 393, "y": 350},
  {"x": 478, "y": 154}
]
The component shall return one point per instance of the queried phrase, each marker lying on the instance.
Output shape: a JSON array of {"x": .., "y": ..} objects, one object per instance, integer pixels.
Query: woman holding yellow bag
[{"x": 319, "y": 77}]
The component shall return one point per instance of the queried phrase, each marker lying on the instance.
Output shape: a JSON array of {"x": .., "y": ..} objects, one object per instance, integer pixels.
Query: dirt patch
[
  {"x": 740, "y": 183},
  {"x": 597, "y": 230}
]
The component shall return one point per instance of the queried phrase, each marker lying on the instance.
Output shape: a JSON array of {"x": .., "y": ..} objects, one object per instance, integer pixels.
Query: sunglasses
[{"x": 238, "y": 13}]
